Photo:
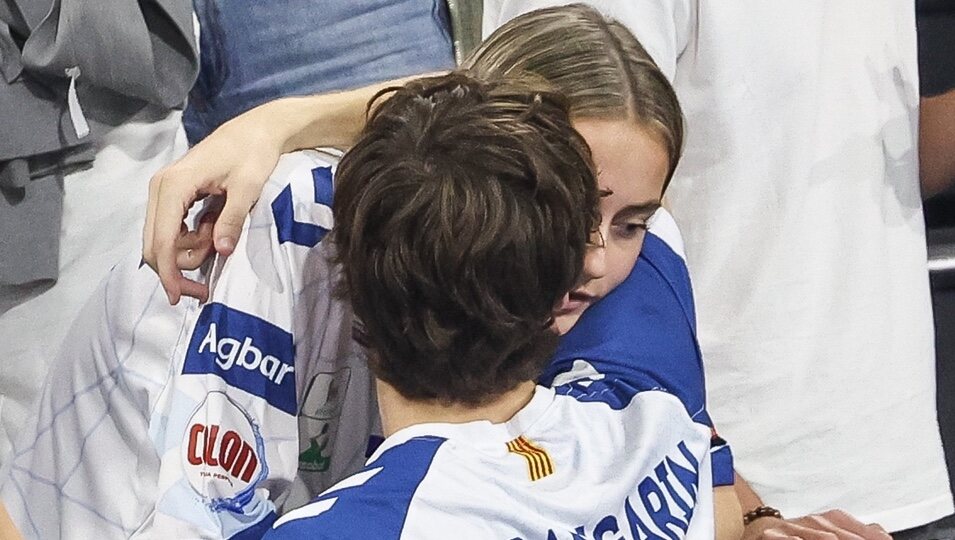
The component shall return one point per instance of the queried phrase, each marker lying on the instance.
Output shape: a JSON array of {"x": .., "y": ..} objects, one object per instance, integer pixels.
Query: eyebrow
[{"x": 645, "y": 209}]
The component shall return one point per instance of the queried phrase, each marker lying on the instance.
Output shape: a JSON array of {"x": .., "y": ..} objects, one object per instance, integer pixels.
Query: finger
[
  {"x": 192, "y": 258},
  {"x": 201, "y": 238},
  {"x": 770, "y": 528},
  {"x": 798, "y": 528},
  {"x": 238, "y": 203},
  {"x": 822, "y": 526},
  {"x": 776, "y": 534},
  {"x": 193, "y": 289},
  {"x": 849, "y": 523},
  {"x": 173, "y": 201},
  {"x": 878, "y": 531}
]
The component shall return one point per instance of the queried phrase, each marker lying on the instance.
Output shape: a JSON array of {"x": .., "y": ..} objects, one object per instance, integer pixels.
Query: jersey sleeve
[
  {"x": 196, "y": 404},
  {"x": 644, "y": 334},
  {"x": 664, "y": 27},
  {"x": 232, "y": 435}
]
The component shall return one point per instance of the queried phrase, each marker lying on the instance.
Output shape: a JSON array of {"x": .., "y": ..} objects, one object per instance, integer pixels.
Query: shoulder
[
  {"x": 298, "y": 197},
  {"x": 644, "y": 331},
  {"x": 372, "y": 503},
  {"x": 281, "y": 251},
  {"x": 586, "y": 384}
]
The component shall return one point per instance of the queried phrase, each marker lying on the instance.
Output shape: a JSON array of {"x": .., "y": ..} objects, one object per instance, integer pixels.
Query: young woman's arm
[
  {"x": 727, "y": 513},
  {"x": 235, "y": 161}
]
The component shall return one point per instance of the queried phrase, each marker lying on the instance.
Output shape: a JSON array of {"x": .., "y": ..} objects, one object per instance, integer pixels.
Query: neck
[{"x": 399, "y": 412}]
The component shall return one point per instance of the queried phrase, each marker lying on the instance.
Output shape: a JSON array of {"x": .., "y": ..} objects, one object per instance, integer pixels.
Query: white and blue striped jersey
[
  {"x": 160, "y": 421},
  {"x": 196, "y": 421},
  {"x": 593, "y": 456},
  {"x": 616, "y": 442}
]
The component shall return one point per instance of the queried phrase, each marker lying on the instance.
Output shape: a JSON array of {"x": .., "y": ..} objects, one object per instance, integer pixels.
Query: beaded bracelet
[{"x": 760, "y": 512}]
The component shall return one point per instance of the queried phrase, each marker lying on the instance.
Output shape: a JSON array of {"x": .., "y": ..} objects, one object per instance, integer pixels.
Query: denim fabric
[{"x": 253, "y": 51}]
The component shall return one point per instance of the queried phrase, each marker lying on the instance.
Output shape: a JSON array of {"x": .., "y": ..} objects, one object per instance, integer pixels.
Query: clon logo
[
  {"x": 229, "y": 452},
  {"x": 221, "y": 450}
]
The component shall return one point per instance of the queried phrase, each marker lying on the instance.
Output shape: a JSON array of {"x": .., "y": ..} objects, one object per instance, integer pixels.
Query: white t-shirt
[
  {"x": 593, "y": 456},
  {"x": 799, "y": 201}
]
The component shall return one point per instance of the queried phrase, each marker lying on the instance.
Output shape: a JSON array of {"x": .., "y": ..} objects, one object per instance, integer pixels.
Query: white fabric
[
  {"x": 607, "y": 460},
  {"x": 162, "y": 421},
  {"x": 799, "y": 202},
  {"x": 103, "y": 212}
]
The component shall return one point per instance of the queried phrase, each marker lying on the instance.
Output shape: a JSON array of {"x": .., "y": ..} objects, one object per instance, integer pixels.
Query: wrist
[
  {"x": 761, "y": 512},
  {"x": 261, "y": 128}
]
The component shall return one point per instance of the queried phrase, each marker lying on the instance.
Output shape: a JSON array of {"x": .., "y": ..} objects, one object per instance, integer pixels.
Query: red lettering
[
  {"x": 229, "y": 449},
  {"x": 209, "y": 455},
  {"x": 246, "y": 457},
  {"x": 192, "y": 455},
  {"x": 232, "y": 453}
]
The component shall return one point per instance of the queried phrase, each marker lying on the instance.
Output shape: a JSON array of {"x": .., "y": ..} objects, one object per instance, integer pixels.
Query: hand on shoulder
[{"x": 234, "y": 161}]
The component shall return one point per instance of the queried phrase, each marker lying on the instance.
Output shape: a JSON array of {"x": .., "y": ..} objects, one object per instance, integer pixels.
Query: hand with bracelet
[{"x": 765, "y": 522}]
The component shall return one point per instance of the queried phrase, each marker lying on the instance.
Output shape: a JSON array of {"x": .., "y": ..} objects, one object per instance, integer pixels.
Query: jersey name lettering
[{"x": 660, "y": 510}]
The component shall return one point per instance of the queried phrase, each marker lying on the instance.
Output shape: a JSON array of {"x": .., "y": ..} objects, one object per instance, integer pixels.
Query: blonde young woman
[{"x": 639, "y": 315}]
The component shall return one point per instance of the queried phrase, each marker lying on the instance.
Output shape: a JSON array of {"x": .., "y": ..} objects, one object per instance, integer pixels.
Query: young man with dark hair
[{"x": 462, "y": 218}]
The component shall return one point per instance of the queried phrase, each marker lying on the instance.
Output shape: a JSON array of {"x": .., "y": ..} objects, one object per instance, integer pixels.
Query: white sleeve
[{"x": 663, "y": 26}]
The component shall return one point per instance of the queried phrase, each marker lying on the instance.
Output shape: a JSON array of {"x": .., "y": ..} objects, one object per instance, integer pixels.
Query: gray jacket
[{"x": 70, "y": 70}]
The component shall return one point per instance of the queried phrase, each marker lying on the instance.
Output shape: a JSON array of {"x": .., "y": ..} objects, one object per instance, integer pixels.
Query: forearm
[
  {"x": 727, "y": 513},
  {"x": 937, "y": 143},
  {"x": 748, "y": 499},
  {"x": 333, "y": 119}
]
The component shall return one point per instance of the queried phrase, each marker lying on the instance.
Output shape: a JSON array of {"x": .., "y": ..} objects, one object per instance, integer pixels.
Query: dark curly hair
[{"x": 462, "y": 216}]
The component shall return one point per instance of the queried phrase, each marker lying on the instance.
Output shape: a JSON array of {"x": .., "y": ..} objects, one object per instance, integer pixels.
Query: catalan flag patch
[{"x": 539, "y": 463}]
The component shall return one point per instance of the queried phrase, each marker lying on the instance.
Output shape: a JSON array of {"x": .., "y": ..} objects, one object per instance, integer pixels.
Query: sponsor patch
[
  {"x": 246, "y": 352},
  {"x": 319, "y": 419},
  {"x": 223, "y": 452}
]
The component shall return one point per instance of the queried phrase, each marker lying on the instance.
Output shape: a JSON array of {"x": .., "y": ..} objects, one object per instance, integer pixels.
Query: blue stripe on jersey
[
  {"x": 324, "y": 188},
  {"x": 376, "y": 508},
  {"x": 298, "y": 232},
  {"x": 246, "y": 352},
  {"x": 615, "y": 393},
  {"x": 721, "y": 460}
]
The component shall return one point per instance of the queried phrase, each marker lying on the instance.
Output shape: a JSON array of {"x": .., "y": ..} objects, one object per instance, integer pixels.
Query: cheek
[
  {"x": 620, "y": 262},
  {"x": 563, "y": 323}
]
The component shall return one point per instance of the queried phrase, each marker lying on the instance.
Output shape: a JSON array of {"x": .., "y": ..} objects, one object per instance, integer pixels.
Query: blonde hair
[{"x": 597, "y": 64}]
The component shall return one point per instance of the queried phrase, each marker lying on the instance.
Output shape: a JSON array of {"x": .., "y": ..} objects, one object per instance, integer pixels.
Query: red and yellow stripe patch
[{"x": 539, "y": 463}]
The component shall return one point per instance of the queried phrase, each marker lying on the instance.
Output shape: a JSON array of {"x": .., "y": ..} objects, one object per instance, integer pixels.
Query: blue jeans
[{"x": 253, "y": 51}]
